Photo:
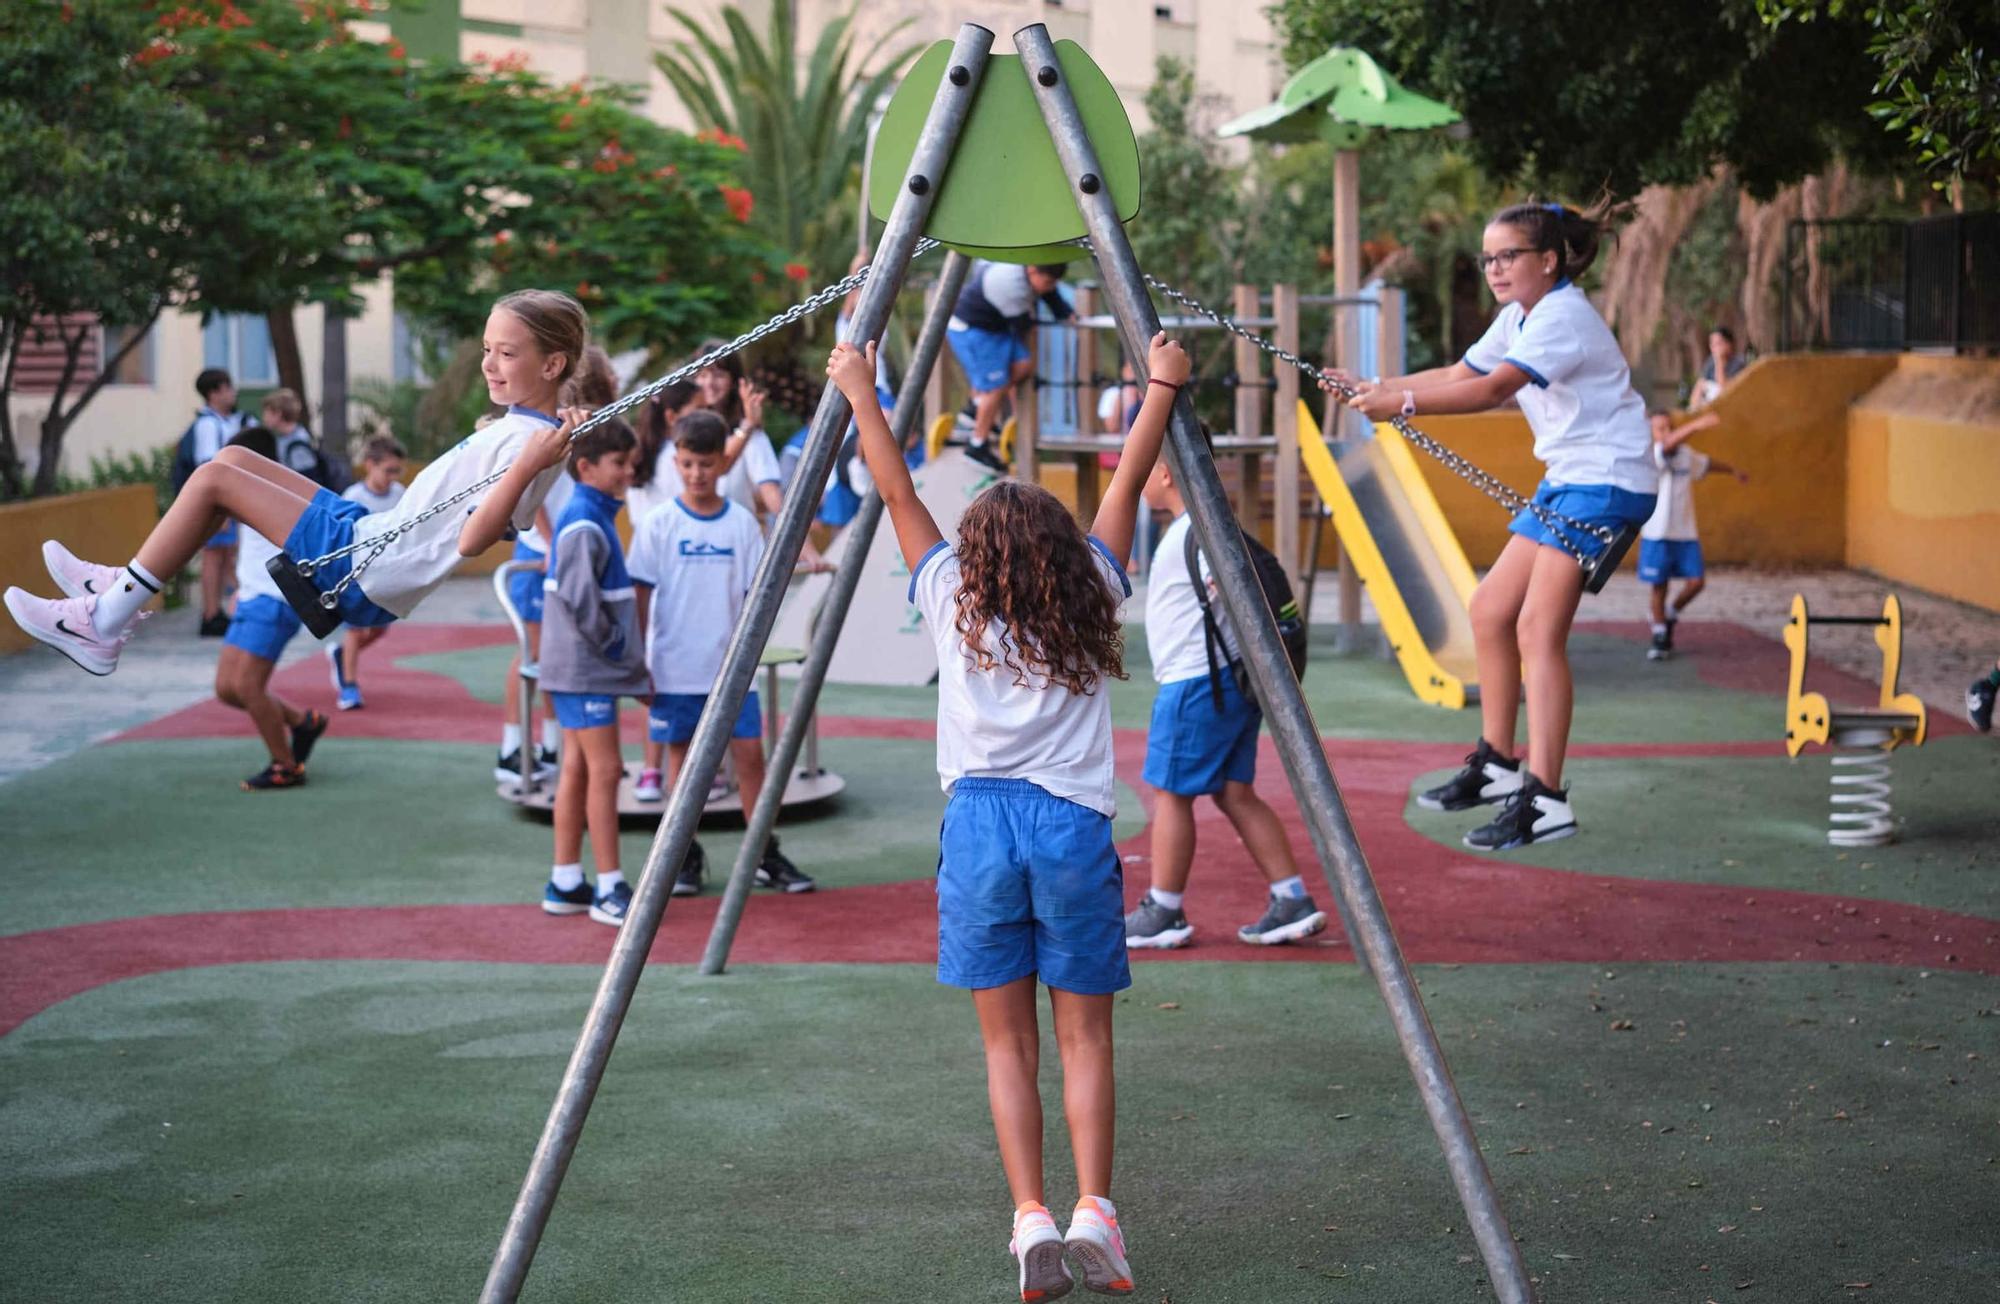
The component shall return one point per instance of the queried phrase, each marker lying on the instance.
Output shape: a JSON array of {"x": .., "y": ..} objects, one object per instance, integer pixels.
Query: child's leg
[
  {"x": 1546, "y": 614},
  {"x": 1659, "y": 604},
  {"x": 655, "y": 753},
  {"x": 748, "y": 753},
  {"x": 598, "y": 749},
  {"x": 1013, "y": 1044},
  {"x": 246, "y": 679},
  {"x": 1495, "y": 608},
  {"x": 1173, "y": 842},
  {"x": 1689, "y": 592},
  {"x": 572, "y": 807},
  {"x": 217, "y": 490},
  {"x": 1083, "y": 1039},
  {"x": 217, "y": 564},
  {"x": 1262, "y": 832}
]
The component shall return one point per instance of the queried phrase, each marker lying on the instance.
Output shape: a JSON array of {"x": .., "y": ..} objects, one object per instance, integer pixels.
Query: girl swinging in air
[
  {"x": 1549, "y": 349},
  {"x": 1023, "y": 608},
  {"x": 533, "y": 340}
]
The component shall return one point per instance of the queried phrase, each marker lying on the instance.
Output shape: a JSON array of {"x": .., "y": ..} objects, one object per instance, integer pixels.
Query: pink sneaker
[
  {"x": 1099, "y": 1246},
  {"x": 66, "y": 625},
  {"x": 77, "y": 577},
  {"x": 1039, "y": 1248}
]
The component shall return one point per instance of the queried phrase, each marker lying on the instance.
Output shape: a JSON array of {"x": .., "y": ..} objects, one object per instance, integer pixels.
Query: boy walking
[
  {"x": 1669, "y": 546},
  {"x": 216, "y": 424},
  {"x": 1203, "y": 742},
  {"x": 693, "y": 559},
  {"x": 379, "y": 489},
  {"x": 591, "y": 656}
]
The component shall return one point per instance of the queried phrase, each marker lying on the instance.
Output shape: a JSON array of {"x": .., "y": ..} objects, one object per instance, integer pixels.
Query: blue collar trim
[
  {"x": 522, "y": 410},
  {"x": 715, "y": 515}
]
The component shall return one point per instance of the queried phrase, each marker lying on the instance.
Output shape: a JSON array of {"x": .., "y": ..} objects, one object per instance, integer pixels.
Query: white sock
[
  {"x": 1660, "y": 629},
  {"x": 1293, "y": 888},
  {"x": 551, "y": 735},
  {"x": 608, "y": 879},
  {"x": 510, "y": 738},
  {"x": 566, "y": 877},
  {"x": 117, "y": 608},
  {"x": 1171, "y": 900}
]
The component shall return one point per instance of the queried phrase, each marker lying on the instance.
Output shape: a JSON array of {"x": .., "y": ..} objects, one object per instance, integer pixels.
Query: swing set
[{"x": 1022, "y": 158}]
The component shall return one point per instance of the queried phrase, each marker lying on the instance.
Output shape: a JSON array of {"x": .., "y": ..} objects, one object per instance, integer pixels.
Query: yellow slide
[{"x": 1404, "y": 551}]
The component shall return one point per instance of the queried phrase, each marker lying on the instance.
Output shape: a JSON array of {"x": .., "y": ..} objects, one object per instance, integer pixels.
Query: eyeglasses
[{"x": 1503, "y": 260}]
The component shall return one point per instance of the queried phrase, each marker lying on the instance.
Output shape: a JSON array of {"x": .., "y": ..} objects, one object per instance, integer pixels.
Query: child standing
[
  {"x": 693, "y": 560},
  {"x": 379, "y": 489},
  {"x": 1669, "y": 546},
  {"x": 531, "y": 341},
  {"x": 1024, "y": 612},
  {"x": 591, "y": 656},
  {"x": 215, "y": 425},
  {"x": 1548, "y": 347},
  {"x": 1203, "y": 742},
  {"x": 258, "y": 632}
]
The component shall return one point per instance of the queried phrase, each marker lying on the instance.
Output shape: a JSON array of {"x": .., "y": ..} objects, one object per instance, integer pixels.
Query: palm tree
[{"x": 803, "y": 126}]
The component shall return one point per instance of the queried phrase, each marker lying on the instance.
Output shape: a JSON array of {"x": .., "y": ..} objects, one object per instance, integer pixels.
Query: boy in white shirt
[
  {"x": 379, "y": 489},
  {"x": 1669, "y": 546},
  {"x": 692, "y": 561}
]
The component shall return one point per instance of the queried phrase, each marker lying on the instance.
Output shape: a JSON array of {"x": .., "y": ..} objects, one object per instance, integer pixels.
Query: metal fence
[{"x": 1855, "y": 283}]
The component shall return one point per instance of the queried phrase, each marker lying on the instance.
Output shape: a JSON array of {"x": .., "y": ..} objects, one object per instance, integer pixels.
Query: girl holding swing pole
[{"x": 1549, "y": 349}]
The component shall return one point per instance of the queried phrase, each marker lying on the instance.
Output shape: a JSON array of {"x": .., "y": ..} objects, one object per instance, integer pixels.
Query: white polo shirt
[
  {"x": 1174, "y": 630},
  {"x": 253, "y": 576},
  {"x": 990, "y": 727},
  {"x": 699, "y": 568},
  {"x": 1673, "y": 514},
  {"x": 1589, "y": 423}
]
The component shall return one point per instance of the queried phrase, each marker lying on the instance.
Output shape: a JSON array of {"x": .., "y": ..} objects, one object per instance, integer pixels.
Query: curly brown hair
[{"x": 1023, "y": 562}]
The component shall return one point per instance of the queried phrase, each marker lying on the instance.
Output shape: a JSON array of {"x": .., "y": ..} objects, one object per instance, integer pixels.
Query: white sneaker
[
  {"x": 1039, "y": 1248},
  {"x": 648, "y": 788},
  {"x": 68, "y": 625},
  {"x": 76, "y": 577},
  {"x": 1099, "y": 1246}
]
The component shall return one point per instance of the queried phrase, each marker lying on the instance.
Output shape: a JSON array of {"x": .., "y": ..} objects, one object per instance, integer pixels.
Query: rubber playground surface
[{"x": 300, "y": 1045}]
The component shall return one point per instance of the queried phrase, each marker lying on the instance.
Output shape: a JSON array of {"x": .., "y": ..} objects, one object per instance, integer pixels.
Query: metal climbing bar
[
  {"x": 1292, "y": 724},
  {"x": 832, "y": 617},
  {"x": 899, "y": 243}
]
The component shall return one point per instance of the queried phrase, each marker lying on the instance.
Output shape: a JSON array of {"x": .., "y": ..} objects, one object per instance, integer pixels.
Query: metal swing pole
[
  {"x": 711, "y": 738},
  {"x": 832, "y": 617},
  {"x": 1291, "y": 722}
]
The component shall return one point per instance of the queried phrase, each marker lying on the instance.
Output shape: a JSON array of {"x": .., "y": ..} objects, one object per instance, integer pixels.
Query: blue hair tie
[{"x": 1557, "y": 209}]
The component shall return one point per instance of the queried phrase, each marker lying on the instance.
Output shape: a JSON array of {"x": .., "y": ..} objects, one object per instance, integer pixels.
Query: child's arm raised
[
  {"x": 853, "y": 370},
  {"x": 1687, "y": 430},
  {"x": 1167, "y": 369},
  {"x": 544, "y": 449}
]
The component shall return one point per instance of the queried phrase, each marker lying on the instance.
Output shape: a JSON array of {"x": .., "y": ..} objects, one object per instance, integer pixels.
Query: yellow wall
[{"x": 105, "y": 525}]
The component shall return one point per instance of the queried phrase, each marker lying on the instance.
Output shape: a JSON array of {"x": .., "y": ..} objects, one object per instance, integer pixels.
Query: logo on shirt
[{"x": 698, "y": 548}]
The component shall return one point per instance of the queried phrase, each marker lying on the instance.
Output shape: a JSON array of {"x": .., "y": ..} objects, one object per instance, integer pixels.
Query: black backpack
[
  {"x": 184, "y": 463},
  {"x": 1284, "y": 607}
]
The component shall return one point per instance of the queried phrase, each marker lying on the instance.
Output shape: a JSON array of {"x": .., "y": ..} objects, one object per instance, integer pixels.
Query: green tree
[
  {"x": 1594, "y": 99},
  {"x": 1188, "y": 229},
  {"x": 803, "y": 124},
  {"x": 112, "y": 204}
]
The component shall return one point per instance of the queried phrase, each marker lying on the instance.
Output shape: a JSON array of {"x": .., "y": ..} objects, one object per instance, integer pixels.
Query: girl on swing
[
  {"x": 1550, "y": 350},
  {"x": 532, "y": 342}
]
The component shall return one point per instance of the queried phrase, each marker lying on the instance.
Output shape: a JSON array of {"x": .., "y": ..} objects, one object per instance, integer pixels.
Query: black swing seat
[
  {"x": 303, "y": 595},
  {"x": 1597, "y": 572}
]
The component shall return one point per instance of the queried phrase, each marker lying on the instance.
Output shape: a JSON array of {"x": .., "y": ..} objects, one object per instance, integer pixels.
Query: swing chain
[
  {"x": 1493, "y": 487},
  {"x": 330, "y": 598}
]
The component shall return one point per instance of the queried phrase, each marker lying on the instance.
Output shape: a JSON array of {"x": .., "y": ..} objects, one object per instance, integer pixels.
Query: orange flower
[
  {"x": 738, "y": 200},
  {"x": 797, "y": 271}
]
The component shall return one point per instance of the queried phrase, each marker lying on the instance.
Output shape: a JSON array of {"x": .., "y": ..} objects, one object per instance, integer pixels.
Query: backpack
[
  {"x": 184, "y": 463},
  {"x": 1284, "y": 607}
]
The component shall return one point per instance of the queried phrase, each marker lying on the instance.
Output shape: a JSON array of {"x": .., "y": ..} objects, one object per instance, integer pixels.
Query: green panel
[
  {"x": 1005, "y": 188},
  {"x": 428, "y": 29},
  {"x": 491, "y": 28}
]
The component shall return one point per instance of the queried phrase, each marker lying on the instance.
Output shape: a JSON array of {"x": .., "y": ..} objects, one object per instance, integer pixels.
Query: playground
[{"x": 1736, "y": 1041}]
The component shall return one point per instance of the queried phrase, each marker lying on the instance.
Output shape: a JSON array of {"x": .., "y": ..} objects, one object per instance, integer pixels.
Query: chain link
[
  {"x": 1496, "y": 489},
  {"x": 330, "y": 598}
]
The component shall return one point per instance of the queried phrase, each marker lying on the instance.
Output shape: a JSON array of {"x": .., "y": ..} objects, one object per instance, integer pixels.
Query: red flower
[
  {"x": 738, "y": 200},
  {"x": 797, "y": 271},
  {"x": 396, "y": 50}
]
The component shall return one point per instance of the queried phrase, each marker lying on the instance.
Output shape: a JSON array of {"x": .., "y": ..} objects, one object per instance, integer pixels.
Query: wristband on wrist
[{"x": 1164, "y": 384}]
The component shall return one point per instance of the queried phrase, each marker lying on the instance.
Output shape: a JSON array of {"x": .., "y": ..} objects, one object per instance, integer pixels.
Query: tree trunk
[
  {"x": 333, "y": 386},
  {"x": 11, "y": 483},
  {"x": 285, "y": 348}
]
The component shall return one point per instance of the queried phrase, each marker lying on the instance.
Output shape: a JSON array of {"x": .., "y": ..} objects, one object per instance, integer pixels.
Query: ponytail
[{"x": 1555, "y": 228}]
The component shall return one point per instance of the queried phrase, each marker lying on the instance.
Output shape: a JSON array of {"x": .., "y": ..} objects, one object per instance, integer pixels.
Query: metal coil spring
[{"x": 1861, "y": 815}]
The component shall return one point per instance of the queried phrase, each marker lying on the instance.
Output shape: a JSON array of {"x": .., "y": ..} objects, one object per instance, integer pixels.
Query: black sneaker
[
  {"x": 1535, "y": 813},
  {"x": 1153, "y": 927},
  {"x": 507, "y": 769},
  {"x": 986, "y": 457},
  {"x": 1486, "y": 778},
  {"x": 215, "y": 626},
  {"x": 276, "y": 775},
  {"x": 1663, "y": 644},
  {"x": 1285, "y": 919},
  {"x": 694, "y": 872},
  {"x": 776, "y": 871},
  {"x": 305, "y": 733},
  {"x": 1979, "y": 704},
  {"x": 547, "y": 758}
]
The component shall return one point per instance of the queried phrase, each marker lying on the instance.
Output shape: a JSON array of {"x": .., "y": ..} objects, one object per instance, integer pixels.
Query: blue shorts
[
  {"x": 584, "y": 710},
  {"x": 674, "y": 715},
  {"x": 524, "y": 587},
  {"x": 326, "y": 524},
  {"x": 262, "y": 626},
  {"x": 987, "y": 356},
  {"x": 223, "y": 538},
  {"x": 1193, "y": 748},
  {"x": 1593, "y": 504},
  {"x": 1661, "y": 560},
  {"x": 1029, "y": 883}
]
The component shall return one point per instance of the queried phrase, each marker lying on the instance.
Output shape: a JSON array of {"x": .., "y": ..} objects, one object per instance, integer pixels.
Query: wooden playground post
[
  {"x": 1249, "y": 418},
  {"x": 1389, "y": 333},
  {"x": 1285, "y": 425},
  {"x": 1346, "y": 285},
  {"x": 1027, "y": 420}
]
